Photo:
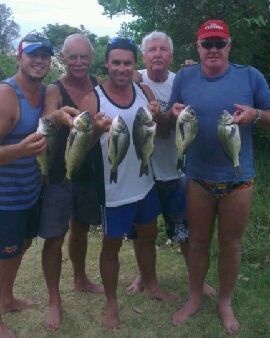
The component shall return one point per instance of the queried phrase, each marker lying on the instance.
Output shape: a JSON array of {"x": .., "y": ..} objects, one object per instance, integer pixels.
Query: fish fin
[
  {"x": 237, "y": 170},
  {"x": 143, "y": 170},
  {"x": 181, "y": 164},
  {"x": 232, "y": 132},
  {"x": 113, "y": 176},
  {"x": 181, "y": 128}
]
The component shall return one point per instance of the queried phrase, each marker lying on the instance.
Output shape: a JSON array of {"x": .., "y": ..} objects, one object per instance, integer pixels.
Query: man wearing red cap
[
  {"x": 215, "y": 189},
  {"x": 21, "y": 98}
]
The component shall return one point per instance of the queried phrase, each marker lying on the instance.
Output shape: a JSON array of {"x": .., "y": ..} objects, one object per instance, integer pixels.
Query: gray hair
[
  {"x": 155, "y": 35},
  {"x": 76, "y": 36}
]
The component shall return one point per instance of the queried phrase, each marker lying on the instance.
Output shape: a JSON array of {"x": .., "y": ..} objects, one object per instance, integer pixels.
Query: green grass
[{"x": 82, "y": 312}]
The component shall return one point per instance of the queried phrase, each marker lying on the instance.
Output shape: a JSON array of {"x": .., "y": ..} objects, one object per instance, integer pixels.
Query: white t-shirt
[
  {"x": 164, "y": 158},
  {"x": 129, "y": 187}
]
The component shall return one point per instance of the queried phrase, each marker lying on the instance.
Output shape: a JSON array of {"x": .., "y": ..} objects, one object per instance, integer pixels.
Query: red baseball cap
[{"x": 213, "y": 28}]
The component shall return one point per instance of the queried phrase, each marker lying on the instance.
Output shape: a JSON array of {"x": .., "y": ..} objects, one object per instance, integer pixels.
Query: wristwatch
[{"x": 258, "y": 116}]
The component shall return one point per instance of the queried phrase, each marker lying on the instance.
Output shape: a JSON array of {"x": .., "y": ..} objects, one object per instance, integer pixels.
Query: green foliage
[
  {"x": 248, "y": 21},
  {"x": 9, "y": 29},
  {"x": 7, "y": 66}
]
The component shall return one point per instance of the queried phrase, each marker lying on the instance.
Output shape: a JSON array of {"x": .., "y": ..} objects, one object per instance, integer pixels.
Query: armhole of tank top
[
  {"x": 98, "y": 100},
  {"x": 18, "y": 94},
  {"x": 139, "y": 85}
]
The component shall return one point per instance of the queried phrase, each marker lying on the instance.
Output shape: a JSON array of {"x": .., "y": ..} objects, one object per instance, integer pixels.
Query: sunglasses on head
[
  {"x": 211, "y": 43},
  {"x": 118, "y": 39},
  {"x": 37, "y": 37}
]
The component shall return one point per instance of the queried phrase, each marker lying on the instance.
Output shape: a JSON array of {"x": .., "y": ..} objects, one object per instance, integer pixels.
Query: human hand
[
  {"x": 65, "y": 115},
  {"x": 176, "y": 109},
  {"x": 102, "y": 123},
  {"x": 244, "y": 114},
  {"x": 33, "y": 144},
  {"x": 154, "y": 108}
]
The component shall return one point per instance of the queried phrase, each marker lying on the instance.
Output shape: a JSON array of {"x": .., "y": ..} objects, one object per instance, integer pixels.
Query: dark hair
[{"x": 121, "y": 43}]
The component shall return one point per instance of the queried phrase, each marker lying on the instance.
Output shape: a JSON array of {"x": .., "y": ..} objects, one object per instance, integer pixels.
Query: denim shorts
[
  {"x": 119, "y": 220},
  {"x": 15, "y": 227}
]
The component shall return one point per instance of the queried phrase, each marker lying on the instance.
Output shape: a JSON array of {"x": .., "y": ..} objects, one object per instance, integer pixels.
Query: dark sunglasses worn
[
  {"x": 211, "y": 43},
  {"x": 118, "y": 39}
]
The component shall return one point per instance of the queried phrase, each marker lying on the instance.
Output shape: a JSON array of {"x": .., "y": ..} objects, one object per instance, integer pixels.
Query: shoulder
[
  {"x": 147, "y": 91},
  {"x": 8, "y": 97},
  {"x": 89, "y": 102}
]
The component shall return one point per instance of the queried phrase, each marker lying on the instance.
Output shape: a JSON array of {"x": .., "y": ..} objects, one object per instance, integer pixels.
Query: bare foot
[
  {"x": 160, "y": 294},
  {"x": 137, "y": 286},
  {"x": 16, "y": 304},
  {"x": 85, "y": 285},
  {"x": 6, "y": 333},
  {"x": 228, "y": 319},
  {"x": 182, "y": 315},
  {"x": 110, "y": 318},
  {"x": 208, "y": 290},
  {"x": 53, "y": 319}
]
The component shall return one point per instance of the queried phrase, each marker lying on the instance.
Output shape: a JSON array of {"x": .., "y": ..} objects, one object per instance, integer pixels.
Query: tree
[
  {"x": 181, "y": 19},
  {"x": 9, "y": 29}
]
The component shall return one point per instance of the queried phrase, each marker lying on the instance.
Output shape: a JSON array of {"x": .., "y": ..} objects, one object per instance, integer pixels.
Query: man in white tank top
[
  {"x": 131, "y": 199},
  {"x": 157, "y": 49}
]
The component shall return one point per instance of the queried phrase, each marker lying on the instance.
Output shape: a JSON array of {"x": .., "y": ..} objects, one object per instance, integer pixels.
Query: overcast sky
[{"x": 35, "y": 14}]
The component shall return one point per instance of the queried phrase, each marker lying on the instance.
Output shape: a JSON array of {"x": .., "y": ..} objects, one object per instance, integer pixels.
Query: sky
[{"x": 35, "y": 14}]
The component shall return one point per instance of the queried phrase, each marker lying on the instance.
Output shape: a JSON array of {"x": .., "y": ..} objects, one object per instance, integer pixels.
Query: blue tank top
[{"x": 20, "y": 180}]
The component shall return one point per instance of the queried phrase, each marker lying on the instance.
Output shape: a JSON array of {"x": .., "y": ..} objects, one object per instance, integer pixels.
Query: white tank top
[
  {"x": 129, "y": 187},
  {"x": 164, "y": 158}
]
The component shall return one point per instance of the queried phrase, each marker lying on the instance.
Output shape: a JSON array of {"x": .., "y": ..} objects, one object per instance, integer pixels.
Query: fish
[
  {"x": 229, "y": 137},
  {"x": 143, "y": 134},
  {"x": 49, "y": 129},
  {"x": 185, "y": 132},
  {"x": 80, "y": 140},
  {"x": 118, "y": 144}
]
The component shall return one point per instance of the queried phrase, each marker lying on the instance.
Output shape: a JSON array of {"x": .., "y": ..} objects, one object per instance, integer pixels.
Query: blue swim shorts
[
  {"x": 173, "y": 205},
  {"x": 119, "y": 220},
  {"x": 15, "y": 227}
]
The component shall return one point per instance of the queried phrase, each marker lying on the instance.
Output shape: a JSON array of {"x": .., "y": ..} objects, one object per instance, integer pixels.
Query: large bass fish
[
  {"x": 49, "y": 129},
  {"x": 185, "y": 133},
  {"x": 118, "y": 144},
  {"x": 80, "y": 140},
  {"x": 229, "y": 136},
  {"x": 143, "y": 132}
]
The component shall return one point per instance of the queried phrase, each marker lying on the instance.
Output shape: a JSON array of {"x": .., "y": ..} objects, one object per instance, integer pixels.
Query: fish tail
[
  {"x": 113, "y": 176},
  {"x": 143, "y": 170},
  {"x": 237, "y": 170}
]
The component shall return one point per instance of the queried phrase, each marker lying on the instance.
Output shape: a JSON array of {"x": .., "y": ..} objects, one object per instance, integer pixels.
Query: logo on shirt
[{"x": 10, "y": 249}]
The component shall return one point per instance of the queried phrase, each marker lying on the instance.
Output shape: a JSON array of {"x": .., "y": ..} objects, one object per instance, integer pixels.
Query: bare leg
[
  {"x": 146, "y": 257},
  {"x": 109, "y": 270},
  {"x": 8, "y": 273},
  {"x": 136, "y": 286},
  {"x": 232, "y": 224},
  {"x": 51, "y": 264},
  {"x": 5, "y": 332},
  {"x": 208, "y": 290},
  {"x": 77, "y": 252},
  {"x": 200, "y": 214}
]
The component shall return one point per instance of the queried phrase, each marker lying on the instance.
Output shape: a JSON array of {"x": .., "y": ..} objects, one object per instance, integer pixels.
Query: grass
[{"x": 82, "y": 311}]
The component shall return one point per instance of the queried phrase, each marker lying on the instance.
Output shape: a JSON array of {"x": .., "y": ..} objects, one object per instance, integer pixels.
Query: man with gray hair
[
  {"x": 85, "y": 194},
  {"x": 157, "y": 50}
]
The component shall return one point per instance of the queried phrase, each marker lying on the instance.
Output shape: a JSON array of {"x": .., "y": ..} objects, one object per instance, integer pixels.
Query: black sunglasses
[
  {"x": 218, "y": 44},
  {"x": 119, "y": 40},
  {"x": 37, "y": 37}
]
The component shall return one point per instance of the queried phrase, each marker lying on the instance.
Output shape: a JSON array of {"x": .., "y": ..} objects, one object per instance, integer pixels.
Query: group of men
[{"x": 131, "y": 205}]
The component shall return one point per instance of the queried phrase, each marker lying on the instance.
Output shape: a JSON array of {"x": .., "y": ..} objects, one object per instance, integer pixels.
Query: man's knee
[
  {"x": 53, "y": 244},
  {"x": 78, "y": 231},
  {"x": 229, "y": 244},
  {"x": 110, "y": 248},
  {"x": 198, "y": 244}
]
